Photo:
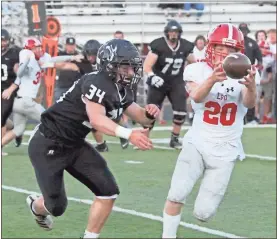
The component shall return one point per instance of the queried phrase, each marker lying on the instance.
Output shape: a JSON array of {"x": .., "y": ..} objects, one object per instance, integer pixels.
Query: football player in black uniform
[
  {"x": 96, "y": 100},
  {"x": 9, "y": 66},
  {"x": 87, "y": 65},
  {"x": 164, "y": 66}
]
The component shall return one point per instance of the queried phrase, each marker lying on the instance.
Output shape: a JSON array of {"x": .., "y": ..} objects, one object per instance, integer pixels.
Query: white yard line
[
  {"x": 135, "y": 213},
  {"x": 164, "y": 128},
  {"x": 165, "y": 140}
]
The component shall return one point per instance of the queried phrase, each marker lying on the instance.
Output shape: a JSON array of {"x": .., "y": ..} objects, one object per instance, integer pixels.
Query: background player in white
[
  {"x": 213, "y": 144},
  {"x": 32, "y": 61}
]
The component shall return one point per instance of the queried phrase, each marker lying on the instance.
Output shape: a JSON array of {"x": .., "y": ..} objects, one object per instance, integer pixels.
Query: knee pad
[
  {"x": 56, "y": 206},
  {"x": 206, "y": 207},
  {"x": 19, "y": 129},
  {"x": 179, "y": 117}
]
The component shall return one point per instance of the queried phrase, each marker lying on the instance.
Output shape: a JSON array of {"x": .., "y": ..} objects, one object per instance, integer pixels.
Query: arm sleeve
[
  {"x": 24, "y": 59},
  {"x": 57, "y": 59},
  {"x": 17, "y": 81},
  {"x": 94, "y": 91},
  {"x": 154, "y": 47}
]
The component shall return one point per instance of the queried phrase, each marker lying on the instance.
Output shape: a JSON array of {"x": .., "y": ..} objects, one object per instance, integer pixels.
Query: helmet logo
[
  {"x": 229, "y": 42},
  {"x": 112, "y": 51}
]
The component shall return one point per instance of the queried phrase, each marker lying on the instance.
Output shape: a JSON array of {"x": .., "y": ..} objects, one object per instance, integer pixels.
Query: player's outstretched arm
[
  {"x": 62, "y": 62},
  {"x": 249, "y": 93},
  {"x": 99, "y": 121},
  {"x": 144, "y": 116},
  {"x": 198, "y": 92}
]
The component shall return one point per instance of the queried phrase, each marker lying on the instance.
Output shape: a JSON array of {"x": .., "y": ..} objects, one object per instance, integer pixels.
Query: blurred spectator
[
  {"x": 166, "y": 7},
  {"x": 199, "y": 48},
  {"x": 260, "y": 36},
  {"x": 262, "y": 3},
  {"x": 118, "y": 35},
  {"x": 70, "y": 46},
  {"x": 272, "y": 44},
  {"x": 253, "y": 52},
  {"x": 66, "y": 78},
  {"x": 197, "y": 6}
]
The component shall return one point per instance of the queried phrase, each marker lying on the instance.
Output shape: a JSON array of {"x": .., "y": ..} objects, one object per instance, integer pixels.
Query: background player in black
[
  {"x": 96, "y": 100},
  {"x": 164, "y": 66},
  {"x": 9, "y": 66}
]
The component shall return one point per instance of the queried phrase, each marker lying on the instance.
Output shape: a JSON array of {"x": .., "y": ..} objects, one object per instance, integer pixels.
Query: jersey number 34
[{"x": 226, "y": 114}]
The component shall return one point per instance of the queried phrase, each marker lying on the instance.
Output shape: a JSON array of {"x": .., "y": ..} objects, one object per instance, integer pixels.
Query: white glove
[{"x": 156, "y": 81}]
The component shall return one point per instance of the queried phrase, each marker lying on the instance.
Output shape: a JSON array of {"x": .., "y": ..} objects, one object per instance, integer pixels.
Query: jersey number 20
[
  {"x": 177, "y": 64},
  {"x": 227, "y": 114}
]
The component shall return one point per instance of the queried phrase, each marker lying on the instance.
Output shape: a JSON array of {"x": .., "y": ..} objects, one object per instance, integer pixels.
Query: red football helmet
[
  {"x": 223, "y": 34},
  {"x": 34, "y": 45}
]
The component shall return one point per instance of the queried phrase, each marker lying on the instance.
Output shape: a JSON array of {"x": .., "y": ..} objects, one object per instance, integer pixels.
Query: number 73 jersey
[{"x": 220, "y": 117}]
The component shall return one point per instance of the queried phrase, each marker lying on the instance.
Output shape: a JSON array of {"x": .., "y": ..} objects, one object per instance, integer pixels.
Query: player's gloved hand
[
  {"x": 218, "y": 74},
  {"x": 6, "y": 94},
  {"x": 78, "y": 58},
  {"x": 152, "y": 111},
  {"x": 155, "y": 81},
  {"x": 139, "y": 138}
]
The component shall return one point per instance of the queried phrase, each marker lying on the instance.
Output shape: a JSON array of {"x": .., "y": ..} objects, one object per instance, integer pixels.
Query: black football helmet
[
  {"x": 116, "y": 53},
  {"x": 5, "y": 40},
  {"x": 90, "y": 49},
  {"x": 173, "y": 25}
]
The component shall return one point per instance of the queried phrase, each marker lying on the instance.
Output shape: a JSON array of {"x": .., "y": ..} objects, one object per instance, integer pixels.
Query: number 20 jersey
[
  {"x": 170, "y": 62},
  {"x": 67, "y": 119},
  {"x": 219, "y": 118}
]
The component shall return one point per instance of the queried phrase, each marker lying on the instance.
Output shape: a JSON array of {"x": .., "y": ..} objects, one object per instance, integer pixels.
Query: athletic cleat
[
  {"x": 124, "y": 143},
  {"x": 18, "y": 141},
  {"x": 45, "y": 222},
  {"x": 102, "y": 147},
  {"x": 174, "y": 143}
]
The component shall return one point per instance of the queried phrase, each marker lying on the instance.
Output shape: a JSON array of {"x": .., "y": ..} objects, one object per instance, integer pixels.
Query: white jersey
[
  {"x": 199, "y": 55},
  {"x": 31, "y": 80},
  {"x": 218, "y": 121}
]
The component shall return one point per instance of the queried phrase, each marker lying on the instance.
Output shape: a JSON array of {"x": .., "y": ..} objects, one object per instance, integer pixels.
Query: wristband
[
  {"x": 150, "y": 74},
  {"x": 122, "y": 132},
  {"x": 148, "y": 116}
]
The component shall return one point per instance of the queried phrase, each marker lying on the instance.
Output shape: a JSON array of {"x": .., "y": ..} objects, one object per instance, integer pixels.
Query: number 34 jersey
[
  {"x": 67, "y": 119},
  {"x": 218, "y": 121},
  {"x": 170, "y": 62}
]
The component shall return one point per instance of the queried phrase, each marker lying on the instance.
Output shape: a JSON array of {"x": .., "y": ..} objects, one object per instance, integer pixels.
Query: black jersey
[
  {"x": 85, "y": 66},
  {"x": 170, "y": 62},
  {"x": 67, "y": 119},
  {"x": 8, "y": 60}
]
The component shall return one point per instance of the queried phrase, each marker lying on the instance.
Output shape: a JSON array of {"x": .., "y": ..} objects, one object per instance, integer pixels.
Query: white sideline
[
  {"x": 185, "y": 127},
  {"x": 138, "y": 214},
  {"x": 255, "y": 156}
]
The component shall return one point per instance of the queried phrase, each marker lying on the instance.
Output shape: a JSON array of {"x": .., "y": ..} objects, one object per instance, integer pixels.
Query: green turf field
[{"x": 249, "y": 208}]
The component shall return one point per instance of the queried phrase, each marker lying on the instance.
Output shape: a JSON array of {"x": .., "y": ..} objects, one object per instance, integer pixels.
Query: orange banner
[{"x": 50, "y": 45}]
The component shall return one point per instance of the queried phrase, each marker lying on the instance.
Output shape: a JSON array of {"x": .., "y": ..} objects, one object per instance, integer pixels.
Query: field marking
[
  {"x": 135, "y": 213},
  {"x": 255, "y": 156},
  {"x": 185, "y": 127}
]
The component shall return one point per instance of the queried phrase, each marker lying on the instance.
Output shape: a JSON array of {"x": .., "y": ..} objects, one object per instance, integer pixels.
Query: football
[{"x": 236, "y": 65}]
